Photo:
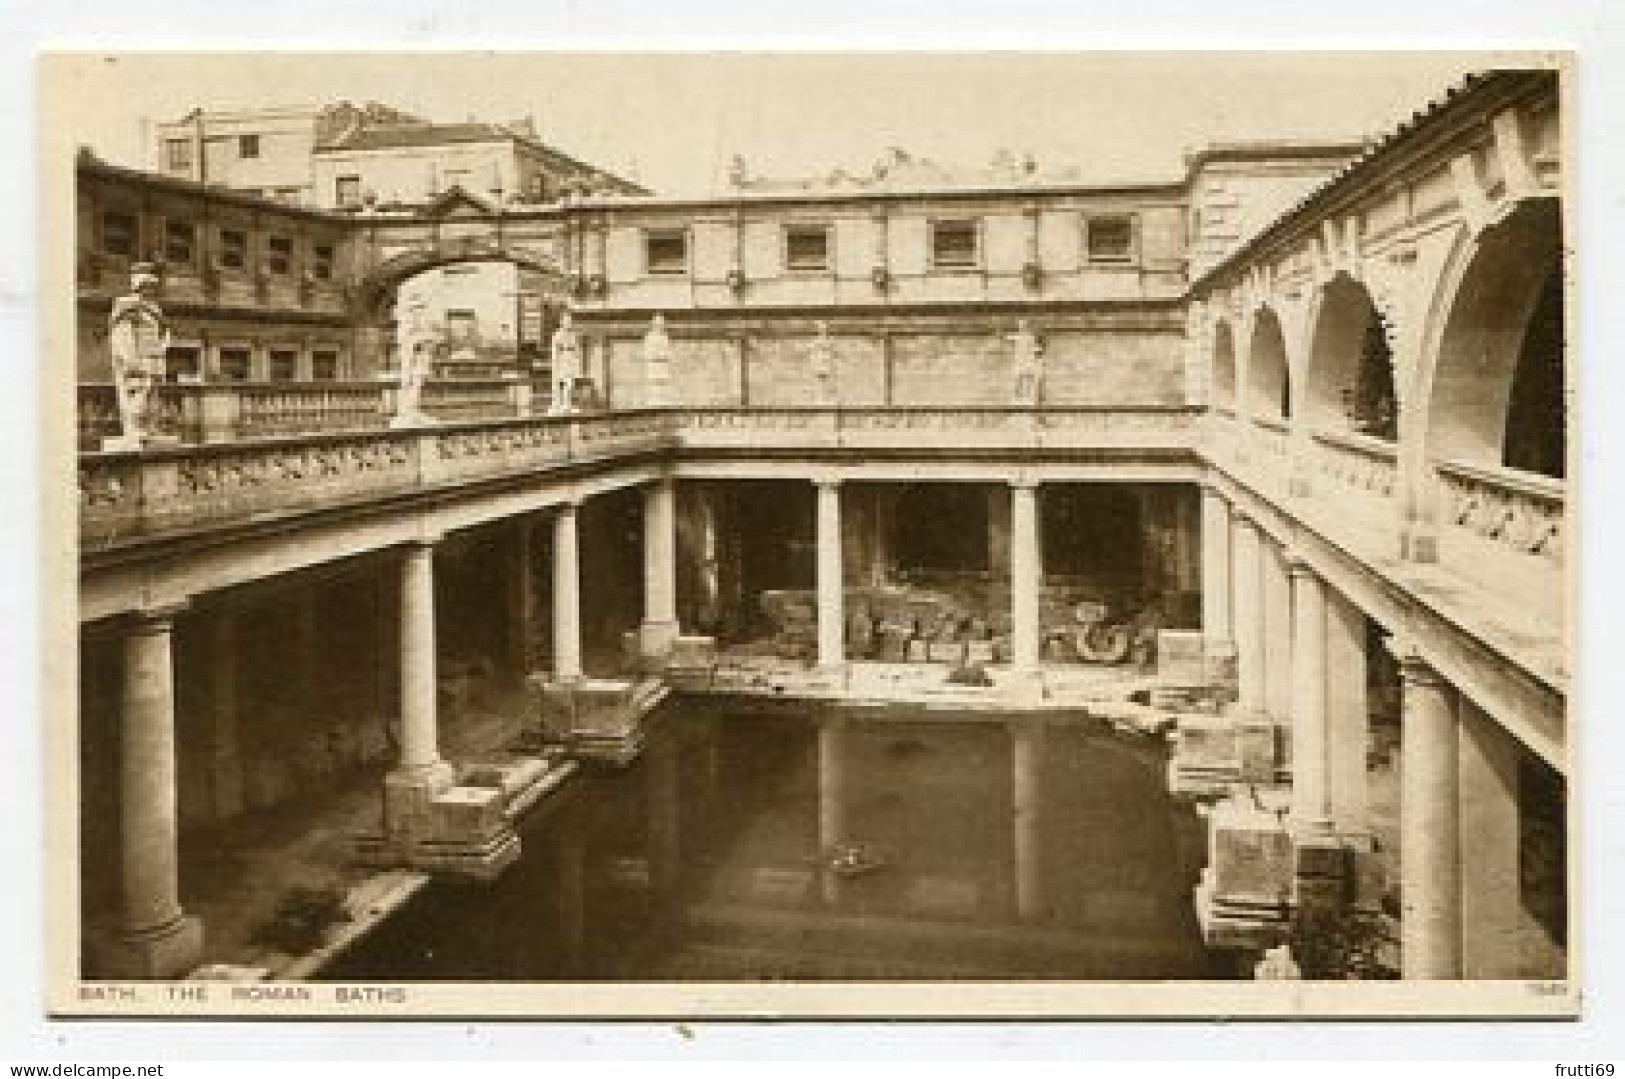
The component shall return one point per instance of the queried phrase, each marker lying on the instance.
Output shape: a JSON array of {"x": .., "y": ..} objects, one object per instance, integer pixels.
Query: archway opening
[
  {"x": 1224, "y": 368},
  {"x": 1350, "y": 382},
  {"x": 1498, "y": 383},
  {"x": 483, "y": 318},
  {"x": 1269, "y": 384}
]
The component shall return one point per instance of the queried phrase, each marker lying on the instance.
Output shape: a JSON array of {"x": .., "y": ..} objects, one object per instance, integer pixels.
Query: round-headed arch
[
  {"x": 1349, "y": 382},
  {"x": 1268, "y": 390}
]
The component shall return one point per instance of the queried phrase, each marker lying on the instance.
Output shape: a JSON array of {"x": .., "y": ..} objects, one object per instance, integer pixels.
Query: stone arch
[
  {"x": 1268, "y": 390},
  {"x": 1224, "y": 366},
  {"x": 1492, "y": 380},
  {"x": 1349, "y": 382}
]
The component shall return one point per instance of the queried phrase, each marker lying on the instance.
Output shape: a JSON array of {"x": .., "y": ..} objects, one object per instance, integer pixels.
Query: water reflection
[{"x": 833, "y": 846}]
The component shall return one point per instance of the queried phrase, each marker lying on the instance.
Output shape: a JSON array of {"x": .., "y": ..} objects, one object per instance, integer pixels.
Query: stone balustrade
[
  {"x": 1518, "y": 511},
  {"x": 1359, "y": 465},
  {"x": 161, "y": 491}
]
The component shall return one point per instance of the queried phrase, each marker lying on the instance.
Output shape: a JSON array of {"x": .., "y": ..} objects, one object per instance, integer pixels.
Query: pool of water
[{"x": 826, "y": 845}]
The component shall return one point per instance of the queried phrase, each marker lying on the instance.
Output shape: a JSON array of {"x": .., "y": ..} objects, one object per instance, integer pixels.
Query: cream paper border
[{"x": 68, "y": 996}]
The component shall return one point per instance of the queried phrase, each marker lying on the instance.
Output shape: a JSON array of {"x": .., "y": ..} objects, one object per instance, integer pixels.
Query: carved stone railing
[
  {"x": 939, "y": 429},
  {"x": 163, "y": 491},
  {"x": 174, "y": 413},
  {"x": 1357, "y": 464},
  {"x": 279, "y": 408},
  {"x": 1519, "y": 511},
  {"x": 470, "y": 399}
]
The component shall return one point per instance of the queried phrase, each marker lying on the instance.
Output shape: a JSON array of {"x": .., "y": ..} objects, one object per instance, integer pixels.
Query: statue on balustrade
[
  {"x": 657, "y": 365},
  {"x": 138, "y": 339},
  {"x": 821, "y": 361},
  {"x": 565, "y": 351},
  {"x": 414, "y": 345},
  {"x": 1026, "y": 366}
]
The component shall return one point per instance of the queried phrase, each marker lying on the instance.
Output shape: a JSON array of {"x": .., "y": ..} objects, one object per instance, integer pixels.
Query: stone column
[
  {"x": 659, "y": 627},
  {"x": 566, "y": 595},
  {"x": 1346, "y": 713},
  {"x": 831, "y": 596},
  {"x": 1429, "y": 827},
  {"x": 1248, "y": 613},
  {"x": 157, "y": 938},
  {"x": 1027, "y": 756},
  {"x": 1278, "y": 634},
  {"x": 420, "y": 735},
  {"x": 1310, "y": 806},
  {"x": 225, "y": 748},
  {"x": 1026, "y": 578},
  {"x": 1219, "y": 643}
]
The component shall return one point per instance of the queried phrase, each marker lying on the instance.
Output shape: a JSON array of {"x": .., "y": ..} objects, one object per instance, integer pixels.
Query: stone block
[
  {"x": 918, "y": 651},
  {"x": 1180, "y": 657},
  {"x": 468, "y": 814},
  {"x": 979, "y": 652},
  {"x": 693, "y": 651},
  {"x": 1257, "y": 751},
  {"x": 1251, "y": 854},
  {"x": 945, "y": 652}
]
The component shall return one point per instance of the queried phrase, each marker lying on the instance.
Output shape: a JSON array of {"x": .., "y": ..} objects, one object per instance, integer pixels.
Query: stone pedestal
[{"x": 1244, "y": 898}]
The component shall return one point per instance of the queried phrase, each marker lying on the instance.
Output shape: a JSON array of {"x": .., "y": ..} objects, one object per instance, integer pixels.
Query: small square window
[
  {"x": 666, "y": 251},
  {"x": 180, "y": 242},
  {"x": 178, "y": 155},
  {"x": 284, "y": 364},
  {"x": 324, "y": 365},
  {"x": 1110, "y": 239},
  {"x": 806, "y": 247},
  {"x": 233, "y": 249},
  {"x": 321, "y": 262},
  {"x": 460, "y": 325},
  {"x": 278, "y": 255},
  {"x": 119, "y": 230},
  {"x": 248, "y": 146},
  {"x": 954, "y": 244},
  {"x": 183, "y": 361},
  {"x": 347, "y": 191},
  {"x": 234, "y": 364}
]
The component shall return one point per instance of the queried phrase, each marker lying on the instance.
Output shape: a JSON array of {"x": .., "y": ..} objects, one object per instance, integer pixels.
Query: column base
[
  {"x": 655, "y": 640},
  {"x": 168, "y": 952},
  {"x": 431, "y": 823}
]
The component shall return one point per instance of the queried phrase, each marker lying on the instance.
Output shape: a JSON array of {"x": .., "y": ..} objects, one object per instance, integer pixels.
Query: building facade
[{"x": 1305, "y": 480}]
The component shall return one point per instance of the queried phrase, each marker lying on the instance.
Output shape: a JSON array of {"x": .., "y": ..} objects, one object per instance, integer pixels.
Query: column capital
[
  {"x": 156, "y": 617},
  {"x": 1414, "y": 668},
  {"x": 1025, "y": 483},
  {"x": 424, "y": 541},
  {"x": 1297, "y": 566},
  {"x": 826, "y": 479}
]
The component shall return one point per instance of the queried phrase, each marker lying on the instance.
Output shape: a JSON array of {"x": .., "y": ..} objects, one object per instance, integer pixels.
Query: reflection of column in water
[
  {"x": 661, "y": 802},
  {"x": 570, "y": 892},
  {"x": 831, "y": 798},
  {"x": 1027, "y": 750}
]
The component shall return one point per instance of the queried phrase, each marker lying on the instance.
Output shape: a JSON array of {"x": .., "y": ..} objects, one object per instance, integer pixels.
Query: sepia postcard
[{"x": 838, "y": 534}]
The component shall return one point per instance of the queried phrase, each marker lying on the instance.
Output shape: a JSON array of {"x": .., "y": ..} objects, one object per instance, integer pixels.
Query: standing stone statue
[
  {"x": 1026, "y": 366},
  {"x": 657, "y": 365},
  {"x": 565, "y": 350},
  {"x": 821, "y": 360},
  {"x": 138, "y": 339},
  {"x": 414, "y": 344}
]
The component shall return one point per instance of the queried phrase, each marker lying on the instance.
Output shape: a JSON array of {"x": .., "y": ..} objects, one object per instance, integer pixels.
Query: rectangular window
[
  {"x": 806, "y": 247},
  {"x": 119, "y": 231},
  {"x": 1110, "y": 239},
  {"x": 184, "y": 362},
  {"x": 279, "y": 255},
  {"x": 460, "y": 325},
  {"x": 180, "y": 242},
  {"x": 234, "y": 364},
  {"x": 233, "y": 249},
  {"x": 284, "y": 364},
  {"x": 178, "y": 155},
  {"x": 954, "y": 244},
  {"x": 666, "y": 251},
  {"x": 321, "y": 262},
  {"x": 248, "y": 146},
  {"x": 324, "y": 365},
  {"x": 347, "y": 192}
]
